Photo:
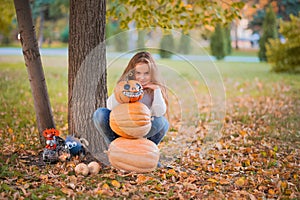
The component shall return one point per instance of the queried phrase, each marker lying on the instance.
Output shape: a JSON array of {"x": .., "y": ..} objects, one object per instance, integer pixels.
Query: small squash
[
  {"x": 133, "y": 155},
  {"x": 81, "y": 169},
  {"x": 94, "y": 167},
  {"x": 128, "y": 91},
  {"x": 130, "y": 120}
]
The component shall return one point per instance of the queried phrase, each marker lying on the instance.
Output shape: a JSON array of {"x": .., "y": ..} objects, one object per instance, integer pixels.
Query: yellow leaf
[
  {"x": 284, "y": 185},
  {"x": 142, "y": 179},
  {"x": 99, "y": 191},
  {"x": 10, "y": 131},
  {"x": 240, "y": 182},
  {"x": 271, "y": 191},
  {"x": 247, "y": 163},
  {"x": 295, "y": 176},
  {"x": 44, "y": 177},
  {"x": 172, "y": 171},
  {"x": 105, "y": 186},
  {"x": 14, "y": 139},
  {"x": 116, "y": 183},
  {"x": 243, "y": 133},
  {"x": 217, "y": 169},
  {"x": 183, "y": 174},
  {"x": 212, "y": 180}
]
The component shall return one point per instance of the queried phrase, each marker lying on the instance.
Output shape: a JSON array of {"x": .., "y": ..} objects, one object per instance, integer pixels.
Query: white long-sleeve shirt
[{"x": 158, "y": 107}]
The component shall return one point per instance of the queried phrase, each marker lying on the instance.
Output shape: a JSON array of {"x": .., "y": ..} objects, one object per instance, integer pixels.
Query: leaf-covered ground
[{"x": 257, "y": 157}]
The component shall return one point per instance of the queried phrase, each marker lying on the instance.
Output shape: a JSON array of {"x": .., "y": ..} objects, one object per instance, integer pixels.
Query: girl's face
[{"x": 142, "y": 73}]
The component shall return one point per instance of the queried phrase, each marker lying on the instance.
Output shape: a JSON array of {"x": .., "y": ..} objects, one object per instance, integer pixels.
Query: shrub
[
  {"x": 218, "y": 43},
  {"x": 121, "y": 41},
  {"x": 141, "y": 39},
  {"x": 228, "y": 40},
  {"x": 166, "y": 46},
  {"x": 284, "y": 55},
  {"x": 269, "y": 32},
  {"x": 184, "y": 44},
  {"x": 64, "y": 36}
]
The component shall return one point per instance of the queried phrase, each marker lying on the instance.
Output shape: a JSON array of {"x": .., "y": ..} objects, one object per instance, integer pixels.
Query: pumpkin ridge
[
  {"x": 124, "y": 166},
  {"x": 131, "y": 122}
]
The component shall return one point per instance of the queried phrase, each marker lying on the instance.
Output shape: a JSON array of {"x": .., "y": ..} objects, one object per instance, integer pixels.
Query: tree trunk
[
  {"x": 87, "y": 71},
  {"x": 236, "y": 34},
  {"x": 34, "y": 67}
]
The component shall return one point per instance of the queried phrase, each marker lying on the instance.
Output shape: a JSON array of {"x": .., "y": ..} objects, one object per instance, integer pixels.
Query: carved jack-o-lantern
[{"x": 128, "y": 91}]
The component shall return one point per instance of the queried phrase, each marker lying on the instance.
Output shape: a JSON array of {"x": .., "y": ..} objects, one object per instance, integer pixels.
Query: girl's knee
[{"x": 101, "y": 114}]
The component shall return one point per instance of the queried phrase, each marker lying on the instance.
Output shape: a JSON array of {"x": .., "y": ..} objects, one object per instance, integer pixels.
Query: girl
[{"x": 142, "y": 68}]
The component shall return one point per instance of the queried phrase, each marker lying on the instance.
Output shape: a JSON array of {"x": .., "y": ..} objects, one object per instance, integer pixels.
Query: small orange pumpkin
[
  {"x": 128, "y": 91},
  {"x": 130, "y": 120},
  {"x": 133, "y": 155}
]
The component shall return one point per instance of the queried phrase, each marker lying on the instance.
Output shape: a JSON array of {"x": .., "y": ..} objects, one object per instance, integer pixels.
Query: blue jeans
[{"x": 159, "y": 127}]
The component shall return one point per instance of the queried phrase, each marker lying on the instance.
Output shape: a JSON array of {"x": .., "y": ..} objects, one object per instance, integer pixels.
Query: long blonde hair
[{"x": 145, "y": 58}]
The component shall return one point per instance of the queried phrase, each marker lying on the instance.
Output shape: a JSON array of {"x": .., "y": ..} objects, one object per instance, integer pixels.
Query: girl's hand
[{"x": 151, "y": 86}]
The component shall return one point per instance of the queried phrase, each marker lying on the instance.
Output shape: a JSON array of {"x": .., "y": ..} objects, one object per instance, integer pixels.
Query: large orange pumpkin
[
  {"x": 133, "y": 155},
  {"x": 128, "y": 91},
  {"x": 131, "y": 120}
]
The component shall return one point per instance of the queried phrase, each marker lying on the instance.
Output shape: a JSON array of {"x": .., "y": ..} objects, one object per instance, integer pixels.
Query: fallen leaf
[
  {"x": 10, "y": 131},
  {"x": 212, "y": 180},
  {"x": 271, "y": 191},
  {"x": 67, "y": 191},
  {"x": 105, "y": 186},
  {"x": 240, "y": 182},
  {"x": 224, "y": 182},
  {"x": 116, "y": 183}
]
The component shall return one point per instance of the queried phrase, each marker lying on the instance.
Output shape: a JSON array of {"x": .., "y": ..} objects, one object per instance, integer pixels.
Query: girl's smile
[{"x": 142, "y": 73}]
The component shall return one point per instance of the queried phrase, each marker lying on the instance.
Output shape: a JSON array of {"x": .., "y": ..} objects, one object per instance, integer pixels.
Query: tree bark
[
  {"x": 87, "y": 71},
  {"x": 236, "y": 34},
  {"x": 34, "y": 67}
]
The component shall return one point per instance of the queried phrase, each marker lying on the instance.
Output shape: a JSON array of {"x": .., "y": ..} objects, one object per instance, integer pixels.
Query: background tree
[
  {"x": 269, "y": 31},
  {"x": 34, "y": 67},
  {"x": 228, "y": 40},
  {"x": 256, "y": 11},
  {"x": 166, "y": 46},
  {"x": 284, "y": 56},
  {"x": 121, "y": 40},
  {"x": 141, "y": 39},
  {"x": 7, "y": 16},
  {"x": 218, "y": 42},
  {"x": 184, "y": 44},
  {"x": 175, "y": 14},
  {"x": 45, "y": 11}
]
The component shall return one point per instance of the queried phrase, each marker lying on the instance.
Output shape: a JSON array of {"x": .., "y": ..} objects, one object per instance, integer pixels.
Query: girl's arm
[
  {"x": 111, "y": 102},
  {"x": 159, "y": 106}
]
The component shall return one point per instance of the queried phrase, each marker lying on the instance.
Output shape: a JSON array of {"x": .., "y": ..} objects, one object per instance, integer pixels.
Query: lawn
[{"x": 254, "y": 156}]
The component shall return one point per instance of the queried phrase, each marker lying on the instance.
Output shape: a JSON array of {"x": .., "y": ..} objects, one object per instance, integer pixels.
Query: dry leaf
[
  {"x": 224, "y": 182},
  {"x": 240, "y": 182},
  {"x": 116, "y": 183},
  {"x": 67, "y": 191},
  {"x": 212, "y": 180}
]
